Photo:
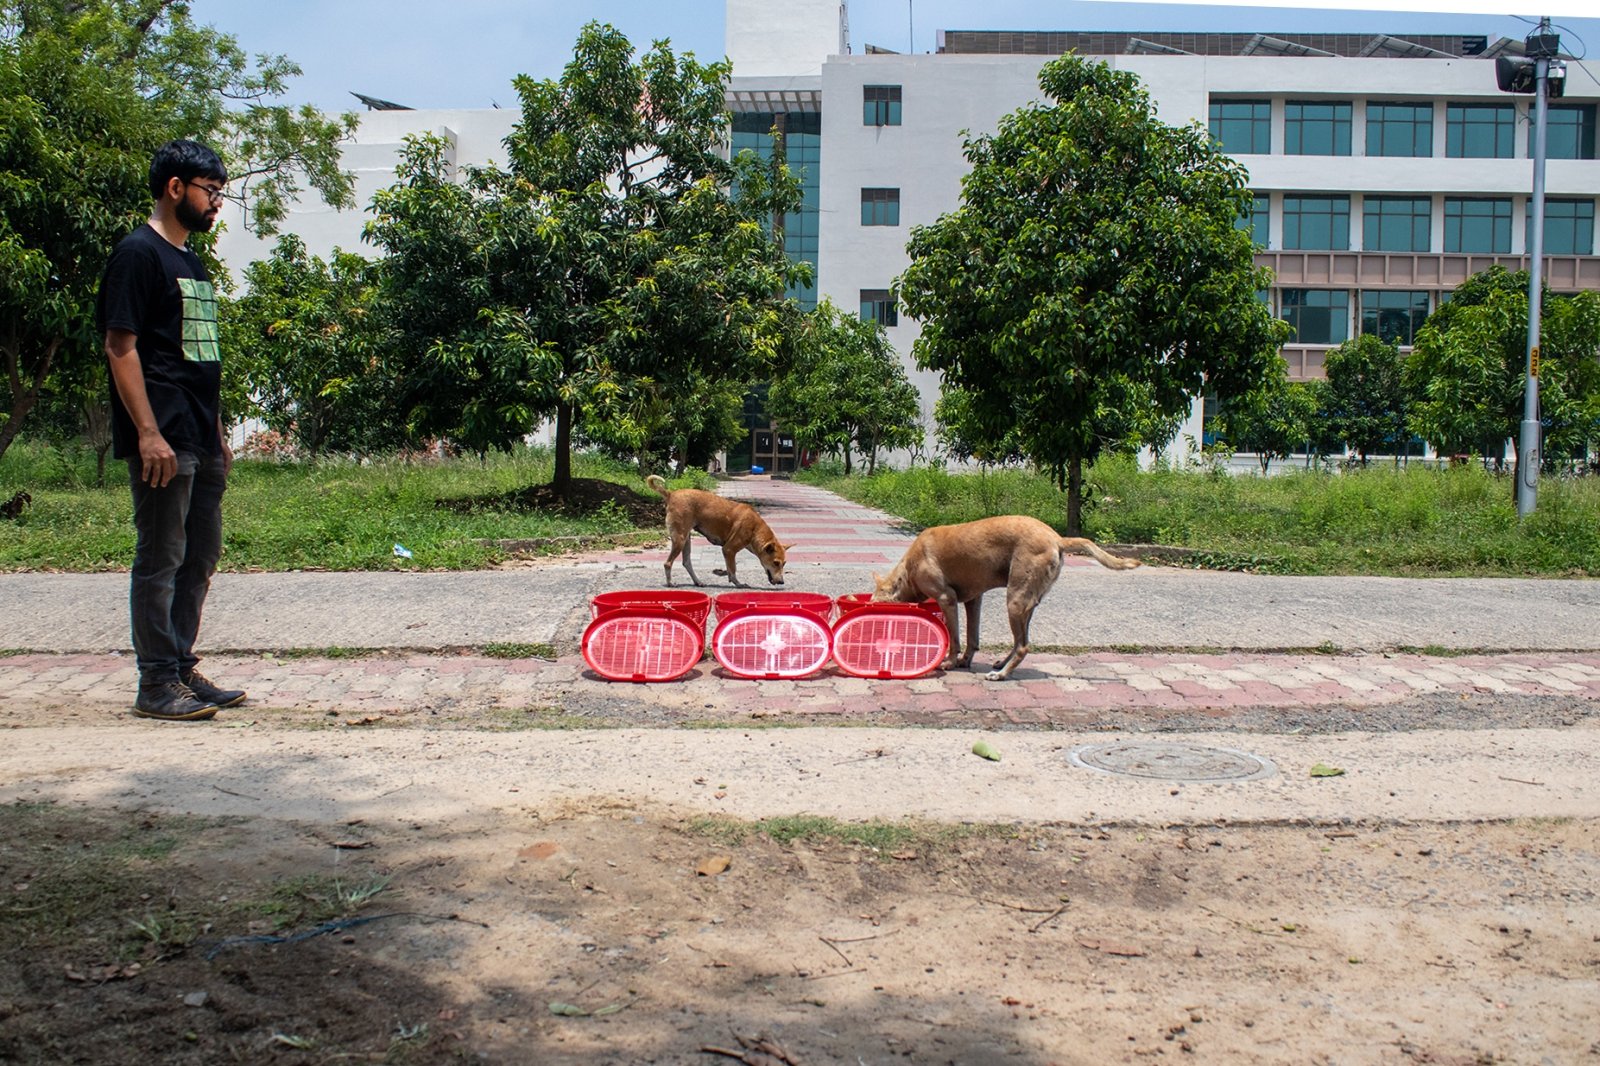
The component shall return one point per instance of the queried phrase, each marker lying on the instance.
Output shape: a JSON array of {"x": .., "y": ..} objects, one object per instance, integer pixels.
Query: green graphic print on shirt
[{"x": 199, "y": 321}]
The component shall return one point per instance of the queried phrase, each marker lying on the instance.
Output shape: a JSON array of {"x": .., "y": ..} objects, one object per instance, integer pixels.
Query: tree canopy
[
  {"x": 88, "y": 90},
  {"x": 846, "y": 389},
  {"x": 1363, "y": 400},
  {"x": 1467, "y": 374},
  {"x": 1092, "y": 281},
  {"x": 610, "y": 263}
]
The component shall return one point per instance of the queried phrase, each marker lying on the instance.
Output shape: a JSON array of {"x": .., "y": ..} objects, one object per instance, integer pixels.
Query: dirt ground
[{"x": 597, "y": 932}]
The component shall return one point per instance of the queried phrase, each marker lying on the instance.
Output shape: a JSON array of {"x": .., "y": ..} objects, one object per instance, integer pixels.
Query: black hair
[{"x": 185, "y": 160}]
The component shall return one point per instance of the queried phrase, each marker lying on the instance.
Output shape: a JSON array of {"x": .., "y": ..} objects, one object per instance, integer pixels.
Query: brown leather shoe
[
  {"x": 205, "y": 690},
  {"x": 172, "y": 701}
]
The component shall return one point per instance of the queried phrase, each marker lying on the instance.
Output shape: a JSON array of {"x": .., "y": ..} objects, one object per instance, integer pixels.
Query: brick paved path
[{"x": 1050, "y": 690}]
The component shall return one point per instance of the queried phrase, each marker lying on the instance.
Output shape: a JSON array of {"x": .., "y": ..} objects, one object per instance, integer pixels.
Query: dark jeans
[{"x": 179, "y": 531}]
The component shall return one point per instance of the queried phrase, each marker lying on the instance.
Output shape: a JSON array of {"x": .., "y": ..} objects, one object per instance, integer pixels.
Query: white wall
[{"x": 774, "y": 38}]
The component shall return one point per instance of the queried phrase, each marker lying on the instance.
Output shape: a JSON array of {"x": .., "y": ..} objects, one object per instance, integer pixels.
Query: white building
[{"x": 1386, "y": 170}]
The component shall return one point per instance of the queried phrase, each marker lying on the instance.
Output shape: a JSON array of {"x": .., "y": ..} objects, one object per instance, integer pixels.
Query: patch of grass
[
  {"x": 331, "y": 514},
  {"x": 334, "y": 652},
  {"x": 513, "y": 650},
  {"x": 1413, "y": 521},
  {"x": 314, "y": 899},
  {"x": 874, "y": 835},
  {"x": 83, "y": 875},
  {"x": 1434, "y": 651}
]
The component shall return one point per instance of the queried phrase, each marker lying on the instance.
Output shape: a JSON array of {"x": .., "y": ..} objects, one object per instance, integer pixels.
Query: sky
[{"x": 466, "y": 52}]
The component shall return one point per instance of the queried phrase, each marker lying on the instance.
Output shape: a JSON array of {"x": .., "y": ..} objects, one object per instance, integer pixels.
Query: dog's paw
[{"x": 996, "y": 675}]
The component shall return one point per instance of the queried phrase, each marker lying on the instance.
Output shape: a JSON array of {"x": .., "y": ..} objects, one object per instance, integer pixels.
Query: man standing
[{"x": 159, "y": 314}]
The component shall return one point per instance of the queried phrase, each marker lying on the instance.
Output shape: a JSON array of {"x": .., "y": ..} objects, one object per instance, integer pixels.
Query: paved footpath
[{"x": 280, "y": 635}]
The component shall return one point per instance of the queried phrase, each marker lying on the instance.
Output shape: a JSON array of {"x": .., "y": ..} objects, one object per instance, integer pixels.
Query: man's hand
[
  {"x": 227, "y": 456},
  {"x": 159, "y": 461}
]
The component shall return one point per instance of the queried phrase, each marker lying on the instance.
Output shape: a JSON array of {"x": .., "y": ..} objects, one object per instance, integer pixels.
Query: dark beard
[{"x": 192, "y": 220}]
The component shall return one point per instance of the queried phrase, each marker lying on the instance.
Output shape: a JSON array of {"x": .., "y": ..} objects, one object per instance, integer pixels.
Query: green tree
[
  {"x": 1092, "y": 281},
  {"x": 846, "y": 389},
  {"x": 1363, "y": 399},
  {"x": 610, "y": 259},
  {"x": 88, "y": 90},
  {"x": 1273, "y": 420},
  {"x": 309, "y": 346},
  {"x": 1467, "y": 374},
  {"x": 961, "y": 437}
]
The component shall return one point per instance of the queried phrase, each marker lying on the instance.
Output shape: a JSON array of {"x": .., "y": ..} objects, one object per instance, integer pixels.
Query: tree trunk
[
  {"x": 24, "y": 397},
  {"x": 1075, "y": 497},
  {"x": 561, "y": 481},
  {"x": 847, "y": 459}
]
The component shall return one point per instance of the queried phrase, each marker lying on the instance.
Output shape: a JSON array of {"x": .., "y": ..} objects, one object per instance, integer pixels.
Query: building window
[
  {"x": 1396, "y": 223},
  {"x": 1316, "y": 222},
  {"x": 1316, "y": 129},
  {"x": 1257, "y": 219},
  {"x": 799, "y": 146},
  {"x": 1394, "y": 316},
  {"x": 1400, "y": 130},
  {"x": 1479, "y": 131},
  {"x": 880, "y": 105},
  {"x": 1477, "y": 225},
  {"x": 1319, "y": 316},
  {"x": 880, "y": 207},
  {"x": 1568, "y": 227},
  {"x": 877, "y": 305},
  {"x": 1242, "y": 127},
  {"x": 1569, "y": 132}
]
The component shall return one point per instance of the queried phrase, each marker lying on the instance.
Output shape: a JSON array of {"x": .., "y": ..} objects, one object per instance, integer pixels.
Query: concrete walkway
[{"x": 1187, "y": 642}]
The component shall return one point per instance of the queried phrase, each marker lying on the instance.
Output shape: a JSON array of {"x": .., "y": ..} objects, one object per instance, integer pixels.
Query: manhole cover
[{"x": 1171, "y": 761}]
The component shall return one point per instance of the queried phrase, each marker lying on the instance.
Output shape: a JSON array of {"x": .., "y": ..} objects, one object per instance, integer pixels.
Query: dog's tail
[
  {"x": 1085, "y": 546},
  {"x": 658, "y": 483}
]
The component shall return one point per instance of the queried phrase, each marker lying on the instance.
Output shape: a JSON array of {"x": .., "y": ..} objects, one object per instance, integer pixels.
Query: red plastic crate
[
  {"x": 771, "y": 644},
  {"x": 813, "y": 603},
  {"x": 852, "y": 601},
  {"x": 643, "y": 644},
  {"x": 694, "y": 606},
  {"x": 890, "y": 640}
]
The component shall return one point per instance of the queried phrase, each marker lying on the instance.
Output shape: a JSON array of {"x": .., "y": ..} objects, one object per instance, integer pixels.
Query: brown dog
[
  {"x": 730, "y": 525},
  {"x": 959, "y": 563}
]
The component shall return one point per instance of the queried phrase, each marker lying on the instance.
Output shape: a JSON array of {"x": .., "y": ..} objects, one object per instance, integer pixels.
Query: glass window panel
[
  {"x": 1396, "y": 224},
  {"x": 1482, "y": 226},
  {"x": 880, "y": 105},
  {"x": 880, "y": 207},
  {"x": 1568, "y": 227},
  {"x": 1400, "y": 130},
  {"x": 1318, "y": 316},
  {"x": 1479, "y": 131},
  {"x": 1316, "y": 222},
  {"x": 1242, "y": 127},
  {"x": 1394, "y": 316},
  {"x": 1257, "y": 219},
  {"x": 1569, "y": 132},
  {"x": 877, "y": 305},
  {"x": 1316, "y": 128}
]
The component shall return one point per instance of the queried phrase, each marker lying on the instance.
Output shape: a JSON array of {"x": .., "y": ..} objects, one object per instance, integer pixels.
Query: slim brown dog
[
  {"x": 730, "y": 525},
  {"x": 959, "y": 563}
]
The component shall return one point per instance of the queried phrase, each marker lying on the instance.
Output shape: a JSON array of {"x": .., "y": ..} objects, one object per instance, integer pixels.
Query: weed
[
  {"x": 875, "y": 836},
  {"x": 519, "y": 651}
]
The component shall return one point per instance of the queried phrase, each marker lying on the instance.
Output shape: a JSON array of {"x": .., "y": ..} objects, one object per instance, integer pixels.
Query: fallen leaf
[
  {"x": 983, "y": 750},
  {"x": 713, "y": 866},
  {"x": 542, "y": 849},
  {"x": 352, "y": 845},
  {"x": 567, "y": 1010},
  {"x": 1111, "y": 947},
  {"x": 1324, "y": 770},
  {"x": 368, "y": 720},
  {"x": 903, "y": 856}
]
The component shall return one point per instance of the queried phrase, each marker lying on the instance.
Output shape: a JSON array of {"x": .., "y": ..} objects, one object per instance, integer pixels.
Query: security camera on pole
[{"x": 1544, "y": 75}]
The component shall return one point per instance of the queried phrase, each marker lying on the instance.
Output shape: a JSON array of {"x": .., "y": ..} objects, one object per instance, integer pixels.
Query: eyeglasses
[{"x": 212, "y": 191}]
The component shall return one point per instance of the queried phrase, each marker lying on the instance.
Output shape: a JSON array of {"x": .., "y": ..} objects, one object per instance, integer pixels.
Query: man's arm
[
  {"x": 227, "y": 449},
  {"x": 159, "y": 461}
]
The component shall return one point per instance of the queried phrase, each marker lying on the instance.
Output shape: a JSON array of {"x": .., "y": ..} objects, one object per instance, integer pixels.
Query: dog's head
[
  {"x": 893, "y": 589},
  {"x": 773, "y": 555}
]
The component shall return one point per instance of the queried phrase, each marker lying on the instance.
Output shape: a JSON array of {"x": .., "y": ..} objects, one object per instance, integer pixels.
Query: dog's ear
[{"x": 786, "y": 547}]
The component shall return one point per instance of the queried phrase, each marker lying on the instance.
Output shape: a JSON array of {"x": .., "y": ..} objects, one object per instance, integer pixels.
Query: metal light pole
[{"x": 1528, "y": 458}]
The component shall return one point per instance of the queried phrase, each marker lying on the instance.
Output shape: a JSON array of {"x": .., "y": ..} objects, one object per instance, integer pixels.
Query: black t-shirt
[{"x": 164, "y": 297}]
